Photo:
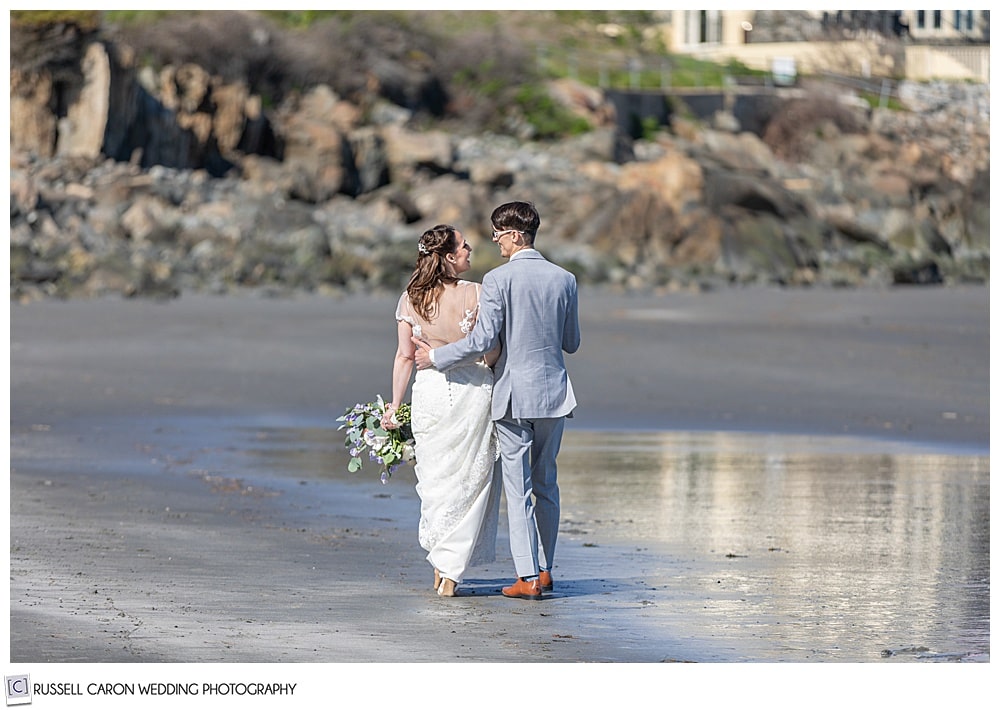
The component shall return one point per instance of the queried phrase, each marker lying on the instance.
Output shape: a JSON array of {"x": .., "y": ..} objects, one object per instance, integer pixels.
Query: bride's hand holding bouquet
[{"x": 383, "y": 430}]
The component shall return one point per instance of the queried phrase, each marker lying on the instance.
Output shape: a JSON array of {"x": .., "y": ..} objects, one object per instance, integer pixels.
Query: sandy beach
[{"x": 178, "y": 492}]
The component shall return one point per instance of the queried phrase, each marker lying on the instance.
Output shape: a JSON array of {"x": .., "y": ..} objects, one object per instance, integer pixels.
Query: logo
[{"x": 18, "y": 689}]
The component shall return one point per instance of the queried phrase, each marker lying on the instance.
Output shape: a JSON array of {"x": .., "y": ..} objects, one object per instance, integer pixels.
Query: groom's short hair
[{"x": 521, "y": 216}]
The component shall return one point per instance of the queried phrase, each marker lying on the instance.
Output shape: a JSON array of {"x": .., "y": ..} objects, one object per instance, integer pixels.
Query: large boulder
[
  {"x": 33, "y": 124},
  {"x": 408, "y": 152}
]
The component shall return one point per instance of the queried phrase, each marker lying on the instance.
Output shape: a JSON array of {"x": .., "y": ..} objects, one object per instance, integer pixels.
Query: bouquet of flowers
[{"x": 390, "y": 448}]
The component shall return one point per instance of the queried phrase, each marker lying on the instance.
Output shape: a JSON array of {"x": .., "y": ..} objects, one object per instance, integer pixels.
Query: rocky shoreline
[{"x": 830, "y": 193}]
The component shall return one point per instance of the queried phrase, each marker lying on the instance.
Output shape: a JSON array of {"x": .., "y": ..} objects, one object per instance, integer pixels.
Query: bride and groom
[{"x": 491, "y": 392}]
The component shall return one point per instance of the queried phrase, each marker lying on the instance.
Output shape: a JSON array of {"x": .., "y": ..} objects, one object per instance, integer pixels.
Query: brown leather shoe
[
  {"x": 523, "y": 589},
  {"x": 545, "y": 580}
]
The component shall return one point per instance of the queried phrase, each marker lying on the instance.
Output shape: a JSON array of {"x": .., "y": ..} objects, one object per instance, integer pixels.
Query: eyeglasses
[{"x": 497, "y": 235}]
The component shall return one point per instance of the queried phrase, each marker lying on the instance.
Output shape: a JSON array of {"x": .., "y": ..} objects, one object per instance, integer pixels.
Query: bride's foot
[
  {"x": 437, "y": 579},
  {"x": 447, "y": 588}
]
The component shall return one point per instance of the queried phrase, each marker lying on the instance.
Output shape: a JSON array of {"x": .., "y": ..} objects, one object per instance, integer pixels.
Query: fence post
[{"x": 883, "y": 99}]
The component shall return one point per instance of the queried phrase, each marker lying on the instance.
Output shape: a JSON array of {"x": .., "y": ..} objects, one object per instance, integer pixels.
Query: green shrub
[
  {"x": 549, "y": 118},
  {"x": 88, "y": 20}
]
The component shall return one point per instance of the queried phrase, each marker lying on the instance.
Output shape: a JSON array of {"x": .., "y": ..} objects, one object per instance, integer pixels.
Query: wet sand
[{"x": 178, "y": 492}]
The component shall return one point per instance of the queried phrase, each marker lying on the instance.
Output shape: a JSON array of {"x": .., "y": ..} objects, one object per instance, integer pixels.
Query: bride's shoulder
[
  {"x": 470, "y": 288},
  {"x": 404, "y": 309},
  {"x": 470, "y": 285}
]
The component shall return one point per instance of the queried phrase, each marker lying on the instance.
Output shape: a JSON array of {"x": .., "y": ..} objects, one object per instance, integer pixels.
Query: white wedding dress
[{"x": 455, "y": 444}]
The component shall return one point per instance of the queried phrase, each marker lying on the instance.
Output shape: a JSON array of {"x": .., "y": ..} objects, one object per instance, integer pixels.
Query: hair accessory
[{"x": 422, "y": 249}]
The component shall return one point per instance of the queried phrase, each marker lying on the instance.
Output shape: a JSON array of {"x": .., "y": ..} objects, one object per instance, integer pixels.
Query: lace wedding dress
[{"x": 455, "y": 443}]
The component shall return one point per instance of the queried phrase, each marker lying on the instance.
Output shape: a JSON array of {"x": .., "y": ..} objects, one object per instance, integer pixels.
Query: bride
[{"x": 455, "y": 445}]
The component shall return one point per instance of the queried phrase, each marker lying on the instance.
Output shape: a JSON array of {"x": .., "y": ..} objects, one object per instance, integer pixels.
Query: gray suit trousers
[{"x": 528, "y": 450}]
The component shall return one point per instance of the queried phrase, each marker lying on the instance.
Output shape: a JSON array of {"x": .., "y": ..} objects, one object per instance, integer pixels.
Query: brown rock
[
  {"x": 33, "y": 127},
  {"x": 81, "y": 132},
  {"x": 700, "y": 245},
  {"x": 149, "y": 219},
  {"x": 674, "y": 178},
  {"x": 587, "y": 102},
  {"x": 406, "y": 150}
]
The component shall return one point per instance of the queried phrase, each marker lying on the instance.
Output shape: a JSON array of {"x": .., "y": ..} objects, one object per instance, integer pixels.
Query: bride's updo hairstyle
[{"x": 431, "y": 271}]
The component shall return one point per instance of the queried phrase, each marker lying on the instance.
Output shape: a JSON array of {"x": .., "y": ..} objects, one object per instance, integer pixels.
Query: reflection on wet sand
[
  {"x": 835, "y": 553},
  {"x": 719, "y": 546}
]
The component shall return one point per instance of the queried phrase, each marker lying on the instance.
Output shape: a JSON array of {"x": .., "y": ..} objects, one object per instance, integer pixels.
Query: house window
[
  {"x": 963, "y": 20},
  {"x": 921, "y": 19},
  {"x": 937, "y": 19},
  {"x": 703, "y": 27}
]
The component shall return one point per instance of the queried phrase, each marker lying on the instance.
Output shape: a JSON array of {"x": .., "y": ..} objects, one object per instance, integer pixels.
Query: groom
[{"x": 529, "y": 305}]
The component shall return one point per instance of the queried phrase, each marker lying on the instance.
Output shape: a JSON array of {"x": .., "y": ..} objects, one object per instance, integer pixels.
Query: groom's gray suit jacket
[{"x": 529, "y": 306}]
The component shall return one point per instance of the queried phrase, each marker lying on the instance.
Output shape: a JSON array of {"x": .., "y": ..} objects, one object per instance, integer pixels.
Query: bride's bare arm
[{"x": 402, "y": 369}]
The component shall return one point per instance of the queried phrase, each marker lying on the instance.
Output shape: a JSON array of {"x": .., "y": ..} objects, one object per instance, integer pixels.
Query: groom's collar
[{"x": 530, "y": 251}]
